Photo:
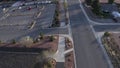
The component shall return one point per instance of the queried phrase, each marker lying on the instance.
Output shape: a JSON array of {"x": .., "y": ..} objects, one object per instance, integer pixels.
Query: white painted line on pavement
[
  {"x": 43, "y": 7},
  {"x": 70, "y": 33},
  {"x": 59, "y": 55},
  {"x": 38, "y": 14},
  {"x": 67, "y": 51},
  {"x": 33, "y": 24},
  {"x": 5, "y": 16},
  {"x": 103, "y": 49}
]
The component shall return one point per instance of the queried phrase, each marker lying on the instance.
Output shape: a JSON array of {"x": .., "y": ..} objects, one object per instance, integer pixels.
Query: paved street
[
  {"x": 88, "y": 53},
  {"x": 100, "y": 28},
  {"x": 87, "y": 50}
]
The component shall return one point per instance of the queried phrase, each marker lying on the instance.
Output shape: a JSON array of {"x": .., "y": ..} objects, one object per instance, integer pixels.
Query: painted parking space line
[
  {"x": 39, "y": 14},
  {"x": 5, "y": 16},
  {"x": 43, "y": 8},
  {"x": 32, "y": 24}
]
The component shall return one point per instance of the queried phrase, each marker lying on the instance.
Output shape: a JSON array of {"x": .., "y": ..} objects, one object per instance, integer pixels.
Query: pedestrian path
[{"x": 59, "y": 56}]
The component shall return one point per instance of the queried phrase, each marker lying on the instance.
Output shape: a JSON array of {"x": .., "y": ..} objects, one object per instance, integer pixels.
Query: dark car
[
  {"x": 114, "y": 19},
  {"x": 5, "y": 6}
]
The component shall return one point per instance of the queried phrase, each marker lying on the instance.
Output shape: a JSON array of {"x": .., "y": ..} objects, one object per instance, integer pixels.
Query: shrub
[
  {"x": 106, "y": 34},
  {"x": 110, "y": 1},
  {"x": 13, "y": 41},
  {"x": 65, "y": 5},
  {"x": 26, "y": 41},
  {"x": 52, "y": 38},
  {"x": 0, "y": 41},
  {"x": 96, "y": 7},
  {"x": 88, "y": 2},
  {"x": 49, "y": 65},
  {"x": 56, "y": 22},
  {"x": 41, "y": 35}
]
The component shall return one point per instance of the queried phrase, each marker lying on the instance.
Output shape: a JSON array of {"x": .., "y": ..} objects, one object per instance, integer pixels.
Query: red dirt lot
[
  {"x": 69, "y": 60},
  {"x": 43, "y": 43}
]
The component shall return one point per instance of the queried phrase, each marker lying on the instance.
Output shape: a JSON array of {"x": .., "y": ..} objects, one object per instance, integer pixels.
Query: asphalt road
[
  {"x": 101, "y": 28},
  {"x": 87, "y": 51}
]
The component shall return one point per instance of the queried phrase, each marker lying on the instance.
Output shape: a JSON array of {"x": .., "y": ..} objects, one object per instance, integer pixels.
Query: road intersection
[{"x": 88, "y": 53}]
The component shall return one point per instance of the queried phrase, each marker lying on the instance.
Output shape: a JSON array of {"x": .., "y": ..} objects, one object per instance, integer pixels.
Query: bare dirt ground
[
  {"x": 45, "y": 43},
  {"x": 69, "y": 60},
  {"x": 69, "y": 57},
  {"x": 112, "y": 47}
]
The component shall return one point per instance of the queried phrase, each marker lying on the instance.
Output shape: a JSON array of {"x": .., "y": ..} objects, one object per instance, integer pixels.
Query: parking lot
[
  {"x": 46, "y": 18},
  {"x": 16, "y": 22}
]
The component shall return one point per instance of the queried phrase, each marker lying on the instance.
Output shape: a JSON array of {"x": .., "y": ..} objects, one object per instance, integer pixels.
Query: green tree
[
  {"x": 88, "y": 2},
  {"x": 0, "y": 41},
  {"x": 52, "y": 38},
  {"x": 13, "y": 41},
  {"x": 26, "y": 41},
  {"x": 106, "y": 34},
  {"x": 41, "y": 35},
  {"x": 96, "y": 7},
  {"x": 110, "y": 1}
]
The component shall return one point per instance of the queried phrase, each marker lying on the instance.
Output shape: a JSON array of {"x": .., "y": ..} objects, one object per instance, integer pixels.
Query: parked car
[
  {"x": 5, "y": 6},
  {"x": 114, "y": 19},
  {"x": 29, "y": 8},
  {"x": 115, "y": 16}
]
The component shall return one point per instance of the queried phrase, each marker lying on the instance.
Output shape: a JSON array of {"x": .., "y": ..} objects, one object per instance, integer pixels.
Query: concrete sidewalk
[{"x": 59, "y": 56}]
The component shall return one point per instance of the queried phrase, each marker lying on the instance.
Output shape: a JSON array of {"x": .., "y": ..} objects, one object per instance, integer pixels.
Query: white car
[
  {"x": 20, "y": 8},
  {"x": 116, "y": 16}
]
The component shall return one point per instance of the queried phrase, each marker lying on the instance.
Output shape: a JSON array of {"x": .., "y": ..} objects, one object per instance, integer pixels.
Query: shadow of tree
[{"x": 39, "y": 65}]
